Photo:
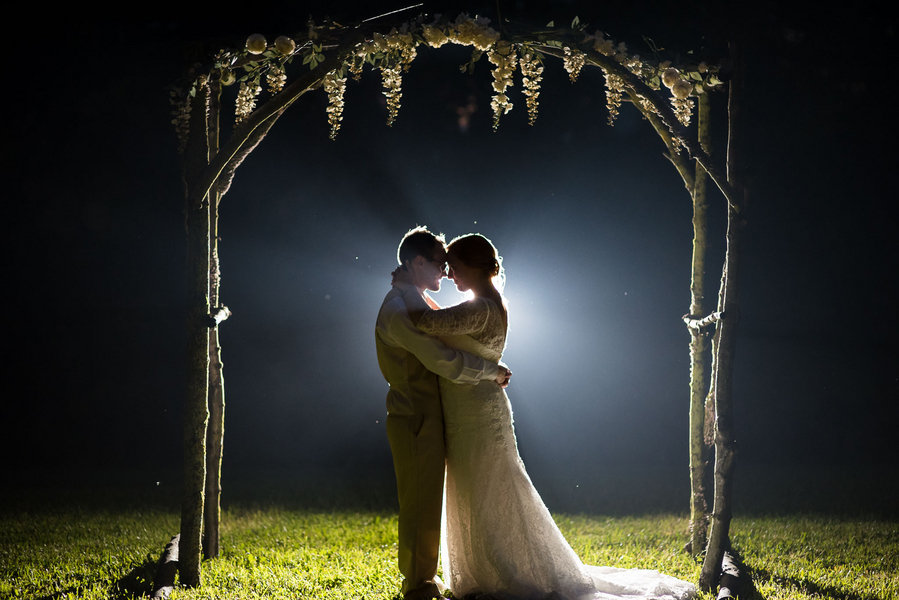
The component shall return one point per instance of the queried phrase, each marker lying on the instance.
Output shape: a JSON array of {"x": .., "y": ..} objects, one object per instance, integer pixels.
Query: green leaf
[
  {"x": 575, "y": 22},
  {"x": 551, "y": 24}
]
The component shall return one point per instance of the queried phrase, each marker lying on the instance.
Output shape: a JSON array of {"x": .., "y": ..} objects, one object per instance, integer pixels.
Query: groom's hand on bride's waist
[{"x": 503, "y": 376}]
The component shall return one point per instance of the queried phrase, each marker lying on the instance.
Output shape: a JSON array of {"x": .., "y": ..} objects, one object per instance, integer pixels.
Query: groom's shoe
[{"x": 426, "y": 591}]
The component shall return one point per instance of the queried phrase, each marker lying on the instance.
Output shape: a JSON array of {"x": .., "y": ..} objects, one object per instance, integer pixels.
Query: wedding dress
[{"x": 500, "y": 539}]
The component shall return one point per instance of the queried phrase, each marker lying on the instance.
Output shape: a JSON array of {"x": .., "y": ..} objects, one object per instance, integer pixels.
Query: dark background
[{"x": 592, "y": 221}]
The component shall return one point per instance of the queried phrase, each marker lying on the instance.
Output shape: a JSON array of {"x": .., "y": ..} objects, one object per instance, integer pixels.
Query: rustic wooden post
[
  {"x": 698, "y": 452},
  {"x": 196, "y": 413},
  {"x": 216, "y": 430},
  {"x": 725, "y": 445}
]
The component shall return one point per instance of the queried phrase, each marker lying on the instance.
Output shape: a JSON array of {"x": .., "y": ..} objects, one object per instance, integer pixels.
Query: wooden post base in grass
[{"x": 164, "y": 582}]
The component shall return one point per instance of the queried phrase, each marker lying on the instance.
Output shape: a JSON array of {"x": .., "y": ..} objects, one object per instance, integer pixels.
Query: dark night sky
[{"x": 592, "y": 221}]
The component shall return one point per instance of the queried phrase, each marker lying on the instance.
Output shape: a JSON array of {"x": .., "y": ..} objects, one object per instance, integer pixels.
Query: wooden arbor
[{"x": 323, "y": 56}]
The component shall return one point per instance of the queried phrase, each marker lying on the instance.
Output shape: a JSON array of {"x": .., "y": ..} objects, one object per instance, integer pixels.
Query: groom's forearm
[{"x": 437, "y": 357}]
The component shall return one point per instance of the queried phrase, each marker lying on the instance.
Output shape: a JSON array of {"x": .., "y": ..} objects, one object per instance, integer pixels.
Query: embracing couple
[{"x": 449, "y": 419}]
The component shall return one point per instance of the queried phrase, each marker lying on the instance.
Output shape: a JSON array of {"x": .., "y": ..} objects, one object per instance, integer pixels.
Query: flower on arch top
[
  {"x": 434, "y": 36},
  {"x": 602, "y": 45},
  {"x": 474, "y": 32}
]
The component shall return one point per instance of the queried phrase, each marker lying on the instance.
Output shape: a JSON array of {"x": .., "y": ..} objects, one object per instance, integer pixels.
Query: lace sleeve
[{"x": 466, "y": 318}]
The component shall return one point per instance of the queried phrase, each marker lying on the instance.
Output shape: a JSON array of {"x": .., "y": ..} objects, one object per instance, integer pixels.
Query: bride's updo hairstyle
[{"x": 477, "y": 252}]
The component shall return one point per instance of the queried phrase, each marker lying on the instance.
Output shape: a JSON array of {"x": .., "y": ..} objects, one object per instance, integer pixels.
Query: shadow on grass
[
  {"x": 136, "y": 583},
  {"x": 810, "y": 587}
]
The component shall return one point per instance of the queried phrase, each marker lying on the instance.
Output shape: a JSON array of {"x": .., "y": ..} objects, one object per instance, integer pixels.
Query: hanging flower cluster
[
  {"x": 531, "y": 75},
  {"x": 503, "y": 56},
  {"x": 614, "y": 92},
  {"x": 391, "y": 54},
  {"x": 392, "y": 81},
  {"x": 573, "y": 61},
  {"x": 246, "y": 100},
  {"x": 275, "y": 79},
  {"x": 335, "y": 86}
]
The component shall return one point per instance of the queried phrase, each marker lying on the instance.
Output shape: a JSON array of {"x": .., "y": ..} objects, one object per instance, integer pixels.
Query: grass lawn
[{"x": 67, "y": 548}]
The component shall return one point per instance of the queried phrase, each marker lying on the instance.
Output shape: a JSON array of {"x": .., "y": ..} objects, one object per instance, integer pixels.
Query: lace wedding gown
[{"x": 500, "y": 539}]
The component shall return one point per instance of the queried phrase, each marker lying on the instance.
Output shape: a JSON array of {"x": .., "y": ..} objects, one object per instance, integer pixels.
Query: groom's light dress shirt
[{"x": 409, "y": 359}]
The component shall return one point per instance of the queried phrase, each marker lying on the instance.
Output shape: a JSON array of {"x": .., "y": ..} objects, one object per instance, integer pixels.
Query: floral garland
[{"x": 392, "y": 55}]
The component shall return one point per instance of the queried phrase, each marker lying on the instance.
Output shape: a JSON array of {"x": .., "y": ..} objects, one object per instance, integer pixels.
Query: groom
[{"x": 411, "y": 362}]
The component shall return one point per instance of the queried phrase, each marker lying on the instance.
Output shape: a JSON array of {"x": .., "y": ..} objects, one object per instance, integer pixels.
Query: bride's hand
[
  {"x": 400, "y": 276},
  {"x": 503, "y": 377}
]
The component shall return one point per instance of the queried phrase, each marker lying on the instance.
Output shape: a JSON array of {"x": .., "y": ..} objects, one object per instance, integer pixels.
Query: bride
[{"x": 500, "y": 539}]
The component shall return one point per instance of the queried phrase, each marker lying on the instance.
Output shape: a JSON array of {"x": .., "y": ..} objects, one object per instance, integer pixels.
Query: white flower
[
  {"x": 614, "y": 93},
  {"x": 602, "y": 45},
  {"x": 470, "y": 32},
  {"x": 275, "y": 79},
  {"x": 392, "y": 81},
  {"x": 246, "y": 100},
  {"x": 434, "y": 36},
  {"x": 531, "y": 75},
  {"x": 256, "y": 44},
  {"x": 503, "y": 56}
]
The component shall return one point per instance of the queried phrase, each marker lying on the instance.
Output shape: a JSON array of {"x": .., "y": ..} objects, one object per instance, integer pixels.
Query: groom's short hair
[{"x": 419, "y": 242}]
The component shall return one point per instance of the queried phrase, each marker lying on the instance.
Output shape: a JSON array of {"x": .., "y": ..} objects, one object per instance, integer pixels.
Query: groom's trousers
[{"x": 419, "y": 459}]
